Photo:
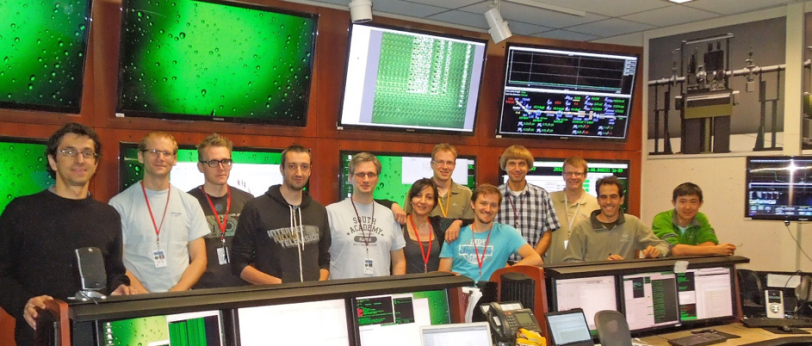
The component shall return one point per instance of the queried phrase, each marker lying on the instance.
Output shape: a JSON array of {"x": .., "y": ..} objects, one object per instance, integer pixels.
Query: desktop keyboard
[
  {"x": 762, "y": 322},
  {"x": 700, "y": 339}
]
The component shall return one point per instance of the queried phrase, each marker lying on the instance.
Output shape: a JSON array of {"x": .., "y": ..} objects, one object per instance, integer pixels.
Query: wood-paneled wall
[{"x": 320, "y": 134}]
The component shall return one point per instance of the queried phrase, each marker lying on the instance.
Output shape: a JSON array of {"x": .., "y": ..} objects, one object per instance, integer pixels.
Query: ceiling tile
[
  {"x": 726, "y": 7},
  {"x": 566, "y": 35},
  {"x": 449, "y": 4},
  {"x": 462, "y": 18},
  {"x": 519, "y": 28},
  {"x": 532, "y": 15},
  {"x": 612, "y": 8},
  {"x": 670, "y": 16},
  {"x": 610, "y": 27},
  {"x": 404, "y": 8}
]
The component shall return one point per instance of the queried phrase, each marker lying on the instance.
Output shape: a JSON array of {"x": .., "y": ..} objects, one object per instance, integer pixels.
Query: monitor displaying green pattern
[
  {"x": 218, "y": 61},
  {"x": 42, "y": 59},
  {"x": 23, "y": 169}
]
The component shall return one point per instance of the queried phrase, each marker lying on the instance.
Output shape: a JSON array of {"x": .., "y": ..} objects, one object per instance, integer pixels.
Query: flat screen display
[
  {"x": 705, "y": 294},
  {"x": 43, "y": 57},
  {"x": 215, "y": 60},
  {"x": 22, "y": 169},
  {"x": 567, "y": 94},
  {"x": 548, "y": 174},
  {"x": 411, "y": 80},
  {"x": 650, "y": 300},
  {"x": 321, "y": 323},
  {"x": 592, "y": 294},
  {"x": 395, "y": 319},
  {"x": 196, "y": 328},
  {"x": 779, "y": 188},
  {"x": 400, "y": 171},
  {"x": 254, "y": 170}
]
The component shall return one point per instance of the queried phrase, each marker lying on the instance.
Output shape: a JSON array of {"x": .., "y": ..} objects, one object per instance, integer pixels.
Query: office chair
[{"x": 613, "y": 330}]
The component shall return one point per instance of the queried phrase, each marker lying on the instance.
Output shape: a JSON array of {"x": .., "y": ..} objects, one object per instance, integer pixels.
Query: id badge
[
  {"x": 566, "y": 242},
  {"x": 368, "y": 267},
  {"x": 222, "y": 255},
  {"x": 159, "y": 258}
]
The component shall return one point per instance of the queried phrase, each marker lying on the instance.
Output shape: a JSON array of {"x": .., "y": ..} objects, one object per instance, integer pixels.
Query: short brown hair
[
  {"x": 687, "y": 189},
  {"x": 213, "y": 140},
  {"x": 295, "y": 148},
  {"x": 609, "y": 180},
  {"x": 364, "y": 157},
  {"x": 443, "y": 147},
  {"x": 514, "y": 152},
  {"x": 575, "y": 161},
  {"x": 485, "y": 189},
  {"x": 142, "y": 146}
]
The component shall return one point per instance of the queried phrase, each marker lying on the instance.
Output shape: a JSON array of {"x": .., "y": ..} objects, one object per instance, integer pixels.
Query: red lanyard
[
  {"x": 424, "y": 254},
  {"x": 515, "y": 214},
  {"x": 157, "y": 228},
  {"x": 361, "y": 224},
  {"x": 479, "y": 261},
  {"x": 217, "y": 217}
]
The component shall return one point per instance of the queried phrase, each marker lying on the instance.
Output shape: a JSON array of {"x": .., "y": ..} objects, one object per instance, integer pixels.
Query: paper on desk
[
  {"x": 783, "y": 281},
  {"x": 680, "y": 267}
]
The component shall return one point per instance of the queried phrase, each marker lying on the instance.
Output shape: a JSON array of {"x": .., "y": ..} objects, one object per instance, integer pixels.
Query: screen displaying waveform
[{"x": 779, "y": 188}]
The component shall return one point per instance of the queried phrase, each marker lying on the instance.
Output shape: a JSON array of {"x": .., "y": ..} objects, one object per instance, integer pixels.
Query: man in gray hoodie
[{"x": 270, "y": 248}]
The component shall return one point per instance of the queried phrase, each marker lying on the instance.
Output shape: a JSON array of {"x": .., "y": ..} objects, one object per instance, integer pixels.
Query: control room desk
[{"x": 749, "y": 336}]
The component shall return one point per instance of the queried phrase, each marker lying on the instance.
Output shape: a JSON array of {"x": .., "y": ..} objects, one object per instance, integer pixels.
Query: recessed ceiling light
[{"x": 680, "y": 1}]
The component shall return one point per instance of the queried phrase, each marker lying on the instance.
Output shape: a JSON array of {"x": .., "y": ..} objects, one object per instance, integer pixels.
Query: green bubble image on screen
[
  {"x": 253, "y": 170},
  {"x": 213, "y": 60},
  {"x": 395, "y": 180},
  {"x": 42, "y": 59},
  {"x": 23, "y": 169},
  {"x": 188, "y": 329}
]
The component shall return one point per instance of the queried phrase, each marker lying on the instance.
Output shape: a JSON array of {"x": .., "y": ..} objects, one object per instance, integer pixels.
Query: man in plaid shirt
[{"x": 526, "y": 207}]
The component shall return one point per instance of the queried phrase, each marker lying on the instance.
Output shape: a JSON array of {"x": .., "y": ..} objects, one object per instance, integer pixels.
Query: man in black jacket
[
  {"x": 283, "y": 235},
  {"x": 39, "y": 233}
]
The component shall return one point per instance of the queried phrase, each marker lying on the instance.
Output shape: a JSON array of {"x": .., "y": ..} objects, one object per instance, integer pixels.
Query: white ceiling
[{"x": 604, "y": 18}]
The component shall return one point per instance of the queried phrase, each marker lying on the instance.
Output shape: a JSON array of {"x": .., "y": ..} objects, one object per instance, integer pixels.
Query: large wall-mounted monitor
[
  {"x": 195, "y": 328},
  {"x": 592, "y": 294},
  {"x": 400, "y": 170},
  {"x": 395, "y": 319},
  {"x": 705, "y": 294},
  {"x": 548, "y": 174},
  {"x": 215, "y": 60},
  {"x": 408, "y": 80},
  {"x": 311, "y": 323},
  {"x": 650, "y": 300},
  {"x": 567, "y": 94},
  {"x": 44, "y": 49},
  {"x": 253, "y": 170},
  {"x": 778, "y": 188},
  {"x": 22, "y": 168}
]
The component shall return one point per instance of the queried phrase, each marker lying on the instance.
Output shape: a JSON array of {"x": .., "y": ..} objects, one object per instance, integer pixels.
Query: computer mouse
[{"x": 785, "y": 329}]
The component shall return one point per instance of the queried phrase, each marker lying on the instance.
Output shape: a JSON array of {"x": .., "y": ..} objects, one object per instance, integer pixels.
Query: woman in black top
[{"x": 425, "y": 235}]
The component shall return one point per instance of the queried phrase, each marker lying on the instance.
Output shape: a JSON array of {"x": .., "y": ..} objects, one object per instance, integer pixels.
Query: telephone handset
[{"x": 506, "y": 319}]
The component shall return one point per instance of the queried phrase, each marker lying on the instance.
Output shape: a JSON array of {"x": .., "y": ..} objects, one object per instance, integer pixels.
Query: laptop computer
[
  {"x": 460, "y": 334},
  {"x": 568, "y": 328}
]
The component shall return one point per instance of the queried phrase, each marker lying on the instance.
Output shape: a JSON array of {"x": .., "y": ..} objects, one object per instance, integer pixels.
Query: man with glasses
[
  {"x": 364, "y": 244},
  {"x": 609, "y": 234},
  {"x": 39, "y": 233},
  {"x": 283, "y": 235},
  {"x": 455, "y": 199},
  {"x": 163, "y": 227},
  {"x": 222, "y": 205},
  {"x": 572, "y": 205},
  {"x": 525, "y": 206}
]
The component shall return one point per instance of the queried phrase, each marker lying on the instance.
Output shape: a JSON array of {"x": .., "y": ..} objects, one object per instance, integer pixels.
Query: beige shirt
[
  {"x": 458, "y": 206},
  {"x": 574, "y": 213}
]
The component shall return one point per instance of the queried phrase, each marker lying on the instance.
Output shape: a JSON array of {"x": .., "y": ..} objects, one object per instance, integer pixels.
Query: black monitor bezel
[
  {"x": 404, "y": 129},
  {"x": 353, "y": 301},
  {"x": 203, "y": 117},
  {"x": 748, "y": 179},
  {"x": 622, "y": 300},
  {"x": 733, "y": 301}
]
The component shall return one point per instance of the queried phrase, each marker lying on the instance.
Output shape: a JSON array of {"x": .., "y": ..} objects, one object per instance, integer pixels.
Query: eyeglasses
[
  {"x": 573, "y": 174},
  {"x": 156, "y": 152},
  {"x": 361, "y": 175},
  {"x": 216, "y": 163},
  {"x": 72, "y": 152},
  {"x": 444, "y": 163}
]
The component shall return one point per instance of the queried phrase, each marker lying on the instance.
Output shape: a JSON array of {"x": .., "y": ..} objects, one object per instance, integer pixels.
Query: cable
[{"x": 786, "y": 223}]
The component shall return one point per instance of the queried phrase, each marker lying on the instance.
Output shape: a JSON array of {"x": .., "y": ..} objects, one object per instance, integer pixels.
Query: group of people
[{"x": 156, "y": 238}]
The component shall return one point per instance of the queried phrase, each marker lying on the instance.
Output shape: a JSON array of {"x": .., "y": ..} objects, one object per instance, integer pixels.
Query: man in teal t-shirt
[
  {"x": 485, "y": 246},
  {"x": 686, "y": 230}
]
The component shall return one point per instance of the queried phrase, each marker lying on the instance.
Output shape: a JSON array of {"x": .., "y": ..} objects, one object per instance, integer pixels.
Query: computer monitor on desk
[
  {"x": 705, "y": 294},
  {"x": 195, "y": 328},
  {"x": 592, "y": 294},
  {"x": 650, "y": 300},
  {"x": 395, "y": 319},
  {"x": 321, "y": 322}
]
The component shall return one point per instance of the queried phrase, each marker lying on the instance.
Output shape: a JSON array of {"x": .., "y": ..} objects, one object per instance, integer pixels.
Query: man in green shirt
[{"x": 686, "y": 230}]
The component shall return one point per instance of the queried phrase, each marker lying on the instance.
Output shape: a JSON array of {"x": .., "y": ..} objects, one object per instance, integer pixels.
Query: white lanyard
[{"x": 574, "y": 215}]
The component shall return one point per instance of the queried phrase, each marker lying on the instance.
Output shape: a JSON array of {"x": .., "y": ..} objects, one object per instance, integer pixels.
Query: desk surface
[{"x": 748, "y": 336}]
